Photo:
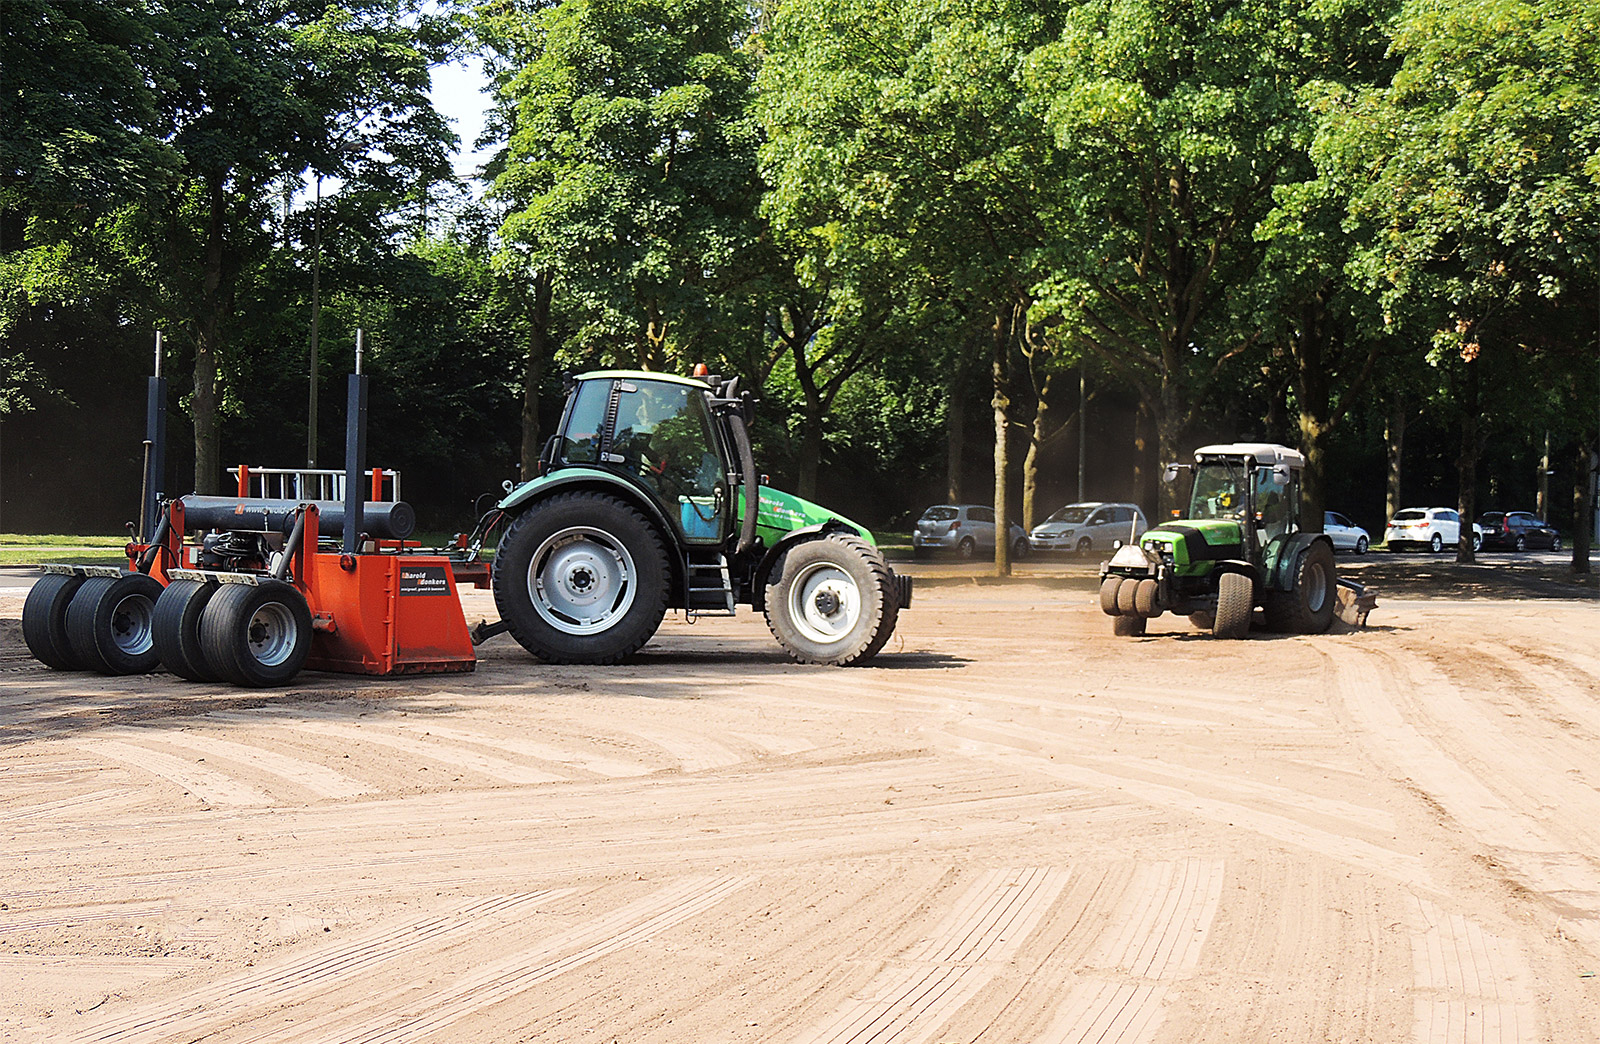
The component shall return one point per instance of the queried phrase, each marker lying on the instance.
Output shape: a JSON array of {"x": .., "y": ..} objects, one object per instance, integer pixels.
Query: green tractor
[
  {"x": 648, "y": 498},
  {"x": 1243, "y": 545}
]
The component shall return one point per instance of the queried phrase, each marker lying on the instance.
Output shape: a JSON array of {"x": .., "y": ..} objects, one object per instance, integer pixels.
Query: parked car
[
  {"x": 1090, "y": 526},
  {"x": 1345, "y": 534},
  {"x": 1433, "y": 528},
  {"x": 1518, "y": 530},
  {"x": 965, "y": 529}
]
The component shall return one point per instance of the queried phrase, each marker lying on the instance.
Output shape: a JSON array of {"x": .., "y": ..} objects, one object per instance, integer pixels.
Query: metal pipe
[
  {"x": 389, "y": 520},
  {"x": 355, "y": 451},
  {"x": 291, "y": 545}
]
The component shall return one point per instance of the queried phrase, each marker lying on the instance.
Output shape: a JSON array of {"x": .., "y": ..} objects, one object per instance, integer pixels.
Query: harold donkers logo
[{"x": 423, "y": 580}]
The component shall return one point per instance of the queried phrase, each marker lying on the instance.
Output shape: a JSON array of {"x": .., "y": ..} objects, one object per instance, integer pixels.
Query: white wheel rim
[
  {"x": 824, "y": 603},
  {"x": 581, "y": 580},
  {"x": 271, "y": 634},
  {"x": 1316, "y": 581},
  {"x": 131, "y": 620}
]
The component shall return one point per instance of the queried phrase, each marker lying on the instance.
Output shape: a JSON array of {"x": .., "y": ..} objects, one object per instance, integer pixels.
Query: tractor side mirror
[
  {"x": 1172, "y": 471},
  {"x": 1280, "y": 472}
]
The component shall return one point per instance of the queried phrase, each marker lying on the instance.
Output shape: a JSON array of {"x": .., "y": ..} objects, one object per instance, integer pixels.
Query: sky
[{"x": 459, "y": 93}]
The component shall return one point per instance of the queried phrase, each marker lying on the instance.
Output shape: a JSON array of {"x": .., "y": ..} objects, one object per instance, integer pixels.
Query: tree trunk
[
  {"x": 810, "y": 450},
  {"x": 207, "y": 395},
  {"x": 533, "y": 375},
  {"x": 1002, "y": 463},
  {"x": 955, "y": 434},
  {"x": 1394, "y": 440},
  {"x": 1583, "y": 507},
  {"x": 1467, "y": 467},
  {"x": 1030, "y": 469},
  {"x": 1313, "y": 481}
]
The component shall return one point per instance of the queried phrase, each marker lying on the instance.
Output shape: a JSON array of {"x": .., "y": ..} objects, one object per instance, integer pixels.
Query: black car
[{"x": 1517, "y": 530}]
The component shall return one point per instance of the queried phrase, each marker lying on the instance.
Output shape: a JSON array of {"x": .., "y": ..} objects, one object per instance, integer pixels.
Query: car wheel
[
  {"x": 1020, "y": 549},
  {"x": 1437, "y": 543},
  {"x": 1520, "y": 544},
  {"x": 1477, "y": 542},
  {"x": 967, "y": 548},
  {"x": 1555, "y": 543},
  {"x": 1361, "y": 545},
  {"x": 1085, "y": 546}
]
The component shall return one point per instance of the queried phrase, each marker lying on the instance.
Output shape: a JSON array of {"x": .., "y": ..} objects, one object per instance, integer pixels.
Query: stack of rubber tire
[{"x": 250, "y": 634}]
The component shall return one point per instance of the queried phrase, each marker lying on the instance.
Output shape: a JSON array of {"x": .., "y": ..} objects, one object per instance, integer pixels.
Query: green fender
[
  {"x": 758, "y": 592},
  {"x": 1283, "y": 555},
  {"x": 594, "y": 478}
]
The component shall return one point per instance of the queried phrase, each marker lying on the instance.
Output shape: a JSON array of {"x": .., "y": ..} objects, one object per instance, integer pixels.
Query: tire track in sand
[
  {"x": 320, "y": 780},
  {"x": 1163, "y": 923},
  {"x": 1471, "y": 986},
  {"x": 214, "y": 788},
  {"x": 908, "y": 1002}
]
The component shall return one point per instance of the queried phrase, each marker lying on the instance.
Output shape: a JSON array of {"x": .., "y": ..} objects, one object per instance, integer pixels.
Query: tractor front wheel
[
  {"x": 1307, "y": 607},
  {"x": 581, "y": 578},
  {"x": 832, "y": 601},
  {"x": 1235, "y": 600}
]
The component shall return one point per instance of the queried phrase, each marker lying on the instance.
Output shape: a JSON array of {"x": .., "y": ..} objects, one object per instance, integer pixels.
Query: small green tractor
[
  {"x": 648, "y": 498},
  {"x": 1243, "y": 545}
]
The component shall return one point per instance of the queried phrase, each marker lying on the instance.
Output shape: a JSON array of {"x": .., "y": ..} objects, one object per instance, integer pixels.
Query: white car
[
  {"x": 1091, "y": 526},
  {"x": 1345, "y": 534},
  {"x": 1434, "y": 528}
]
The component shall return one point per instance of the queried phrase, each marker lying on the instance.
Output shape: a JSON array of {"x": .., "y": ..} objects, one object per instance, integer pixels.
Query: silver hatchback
[
  {"x": 1089, "y": 527},
  {"x": 965, "y": 529}
]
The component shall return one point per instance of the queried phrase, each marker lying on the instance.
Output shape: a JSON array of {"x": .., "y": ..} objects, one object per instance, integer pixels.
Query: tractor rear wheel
[
  {"x": 1235, "y": 600},
  {"x": 832, "y": 601},
  {"x": 256, "y": 635},
  {"x": 177, "y": 629},
  {"x": 581, "y": 578},
  {"x": 109, "y": 624},
  {"x": 1307, "y": 607},
  {"x": 44, "y": 620}
]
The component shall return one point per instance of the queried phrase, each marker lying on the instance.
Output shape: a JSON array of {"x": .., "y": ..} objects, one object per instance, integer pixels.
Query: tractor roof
[
  {"x": 1261, "y": 452},
  {"x": 641, "y": 375}
]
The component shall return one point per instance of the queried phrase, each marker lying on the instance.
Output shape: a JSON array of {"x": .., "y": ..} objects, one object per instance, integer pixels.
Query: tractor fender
[
  {"x": 758, "y": 588},
  {"x": 1282, "y": 565},
  {"x": 1244, "y": 567},
  {"x": 569, "y": 480}
]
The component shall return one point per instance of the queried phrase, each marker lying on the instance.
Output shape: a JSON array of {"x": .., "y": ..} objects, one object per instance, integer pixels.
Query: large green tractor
[
  {"x": 648, "y": 499},
  {"x": 1243, "y": 545}
]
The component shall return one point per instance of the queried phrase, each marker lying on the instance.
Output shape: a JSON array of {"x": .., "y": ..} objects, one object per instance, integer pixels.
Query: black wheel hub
[
  {"x": 581, "y": 580},
  {"x": 827, "y": 603}
]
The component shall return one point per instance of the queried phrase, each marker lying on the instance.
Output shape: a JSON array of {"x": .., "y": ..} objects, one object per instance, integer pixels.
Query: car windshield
[
  {"x": 1071, "y": 513},
  {"x": 1409, "y": 516},
  {"x": 939, "y": 514},
  {"x": 1218, "y": 491}
]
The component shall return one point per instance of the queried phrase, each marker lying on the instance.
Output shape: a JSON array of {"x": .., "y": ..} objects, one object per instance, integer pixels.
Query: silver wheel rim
[
  {"x": 270, "y": 635},
  {"x": 581, "y": 580},
  {"x": 131, "y": 629},
  {"x": 1316, "y": 587},
  {"x": 1437, "y": 543},
  {"x": 824, "y": 603}
]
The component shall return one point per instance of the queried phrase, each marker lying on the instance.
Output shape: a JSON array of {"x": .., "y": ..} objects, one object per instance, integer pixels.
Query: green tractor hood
[
  {"x": 778, "y": 514},
  {"x": 1195, "y": 544}
]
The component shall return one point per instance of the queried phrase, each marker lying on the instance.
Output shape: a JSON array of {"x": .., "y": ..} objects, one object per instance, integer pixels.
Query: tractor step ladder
[{"x": 710, "y": 586}]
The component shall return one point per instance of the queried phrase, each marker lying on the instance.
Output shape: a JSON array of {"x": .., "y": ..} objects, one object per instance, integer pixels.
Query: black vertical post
[
  {"x": 355, "y": 452},
  {"x": 155, "y": 433}
]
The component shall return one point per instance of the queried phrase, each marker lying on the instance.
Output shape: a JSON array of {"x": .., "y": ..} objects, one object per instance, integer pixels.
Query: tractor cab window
[
  {"x": 580, "y": 433},
  {"x": 1273, "y": 509},
  {"x": 663, "y": 435},
  {"x": 1219, "y": 491}
]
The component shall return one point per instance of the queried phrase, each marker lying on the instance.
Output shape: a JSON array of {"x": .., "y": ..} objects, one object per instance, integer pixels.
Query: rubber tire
[
  {"x": 1203, "y": 621},
  {"x": 1235, "y": 600},
  {"x": 1555, "y": 543},
  {"x": 1125, "y": 595},
  {"x": 874, "y": 583},
  {"x": 1436, "y": 544},
  {"x": 44, "y": 620},
  {"x": 1361, "y": 545},
  {"x": 1085, "y": 546},
  {"x": 620, "y": 522},
  {"x": 177, "y": 629},
  {"x": 1020, "y": 549},
  {"x": 1108, "y": 595},
  {"x": 1292, "y": 611},
  {"x": 1145, "y": 597},
  {"x": 967, "y": 548},
  {"x": 225, "y": 627},
  {"x": 99, "y": 615},
  {"x": 1477, "y": 543},
  {"x": 1128, "y": 626},
  {"x": 1521, "y": 543}
]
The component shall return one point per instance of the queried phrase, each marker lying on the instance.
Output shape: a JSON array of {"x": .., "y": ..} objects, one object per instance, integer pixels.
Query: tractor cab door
[
  {"x": 1277, "y": 499},
  {"x": 662, "y": 437}
]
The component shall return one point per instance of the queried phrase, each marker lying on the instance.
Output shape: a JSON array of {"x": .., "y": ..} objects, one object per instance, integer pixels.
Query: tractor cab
[{"x": 1255, "y": 486}]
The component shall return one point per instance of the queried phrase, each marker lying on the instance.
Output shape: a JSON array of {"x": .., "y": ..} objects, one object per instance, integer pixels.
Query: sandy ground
[{"x": 1013, "y": 828}]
